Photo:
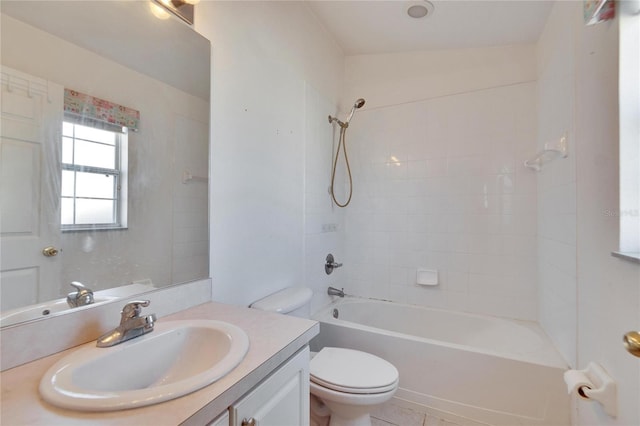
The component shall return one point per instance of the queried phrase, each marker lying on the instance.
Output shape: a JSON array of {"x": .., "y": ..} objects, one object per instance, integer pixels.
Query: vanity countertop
[{"x": 273, "y": 339}]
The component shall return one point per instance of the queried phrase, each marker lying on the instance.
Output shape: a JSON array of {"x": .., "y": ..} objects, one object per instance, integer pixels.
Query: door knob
[
  {"x": 50, "y": 251},
  {"x": 632, "y": 342}
]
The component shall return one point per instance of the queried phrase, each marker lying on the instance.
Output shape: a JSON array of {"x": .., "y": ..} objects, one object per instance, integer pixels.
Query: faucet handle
[
  {"x": 81, "y": 297},
  {"x": 81, "y": 289},
  {"x": 133, "y": 309},
  {"x": 78, "y": 285},
  {"x": 331, "y": 264}
]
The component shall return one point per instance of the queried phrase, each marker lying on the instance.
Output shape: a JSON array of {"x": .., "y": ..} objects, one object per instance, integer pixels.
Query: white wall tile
[{"x": 452, "y": 200}]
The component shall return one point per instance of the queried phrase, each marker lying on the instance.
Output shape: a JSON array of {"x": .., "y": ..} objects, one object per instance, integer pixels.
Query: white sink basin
[{"x": 177, "y": 358}]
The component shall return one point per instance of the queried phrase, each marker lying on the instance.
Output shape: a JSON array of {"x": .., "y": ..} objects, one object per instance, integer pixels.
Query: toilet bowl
[{"x": 348, "y": 382}]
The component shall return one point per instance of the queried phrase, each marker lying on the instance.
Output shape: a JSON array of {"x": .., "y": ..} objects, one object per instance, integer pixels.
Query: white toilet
[{"x": 347, "y": 381}]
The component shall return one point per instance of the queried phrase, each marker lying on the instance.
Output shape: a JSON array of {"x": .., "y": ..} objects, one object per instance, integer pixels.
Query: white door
[{"x": 32, "y": 111}]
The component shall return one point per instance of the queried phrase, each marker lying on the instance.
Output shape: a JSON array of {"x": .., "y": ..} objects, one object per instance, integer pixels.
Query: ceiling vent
[{"x": 420, "y": 10}]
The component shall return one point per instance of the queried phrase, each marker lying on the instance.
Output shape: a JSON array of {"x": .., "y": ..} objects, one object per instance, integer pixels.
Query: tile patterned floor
[{"x": 390, "y": 414}]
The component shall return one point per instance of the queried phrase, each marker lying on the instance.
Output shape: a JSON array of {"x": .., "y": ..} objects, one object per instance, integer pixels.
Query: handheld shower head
[
  {"x": 357, "y": 105},
  {"x": 343, "y": 144}
]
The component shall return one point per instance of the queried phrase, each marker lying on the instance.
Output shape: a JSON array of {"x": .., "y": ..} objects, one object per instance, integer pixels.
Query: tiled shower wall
[
  {"x": 324, "y": 222},
  {"x": 440, "y": 184}
]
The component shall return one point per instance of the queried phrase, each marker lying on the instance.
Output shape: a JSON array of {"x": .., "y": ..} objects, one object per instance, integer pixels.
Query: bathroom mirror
[{"x": 68, "y": 213}]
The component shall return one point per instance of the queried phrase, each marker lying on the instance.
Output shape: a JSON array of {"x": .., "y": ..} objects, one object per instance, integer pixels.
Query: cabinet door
[
  {"x": 282, "y": 399},
  {"x": 222, "y": 420}
]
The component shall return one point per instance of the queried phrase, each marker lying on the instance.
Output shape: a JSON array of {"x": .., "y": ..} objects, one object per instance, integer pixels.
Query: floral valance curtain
[
  {"x": 596, "y": 11},
  {"x": 89, "y": 108}
]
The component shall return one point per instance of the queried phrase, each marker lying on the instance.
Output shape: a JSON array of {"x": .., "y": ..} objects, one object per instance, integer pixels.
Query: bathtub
[{"x": 466, "y": 367}]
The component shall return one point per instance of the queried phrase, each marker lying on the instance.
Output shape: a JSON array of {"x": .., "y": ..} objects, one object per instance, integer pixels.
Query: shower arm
[
  {"x": 344, "y": 124},
  {"x": 340, "y": 123}
]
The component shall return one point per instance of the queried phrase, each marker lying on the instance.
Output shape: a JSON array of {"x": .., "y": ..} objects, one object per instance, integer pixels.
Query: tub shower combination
[{"x": 464, "y": 366}]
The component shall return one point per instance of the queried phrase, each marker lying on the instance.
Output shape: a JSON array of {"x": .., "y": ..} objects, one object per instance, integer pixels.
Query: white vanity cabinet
[
  {"x": 282, "y": 399},
  {"x": 271, "y": 386},
  {"x": 222, "y": 420}
]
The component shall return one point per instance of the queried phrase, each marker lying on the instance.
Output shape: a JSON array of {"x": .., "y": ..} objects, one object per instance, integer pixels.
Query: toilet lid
[{"x": 351, "y": 371}]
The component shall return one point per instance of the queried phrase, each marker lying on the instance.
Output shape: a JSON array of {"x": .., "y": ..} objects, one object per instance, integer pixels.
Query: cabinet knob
[{"x": 250, "y": 422}]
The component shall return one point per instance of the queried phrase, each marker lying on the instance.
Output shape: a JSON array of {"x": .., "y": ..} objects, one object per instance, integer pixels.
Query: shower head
[{"x": 357, "y": 105}]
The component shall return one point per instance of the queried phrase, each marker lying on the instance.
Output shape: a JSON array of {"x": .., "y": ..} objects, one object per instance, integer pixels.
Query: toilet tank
[{"x": 289, "y": 301}]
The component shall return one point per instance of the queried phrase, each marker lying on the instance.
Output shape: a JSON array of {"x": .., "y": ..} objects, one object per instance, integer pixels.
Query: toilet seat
[
  {"x": 355, "y": 399},
  {"x": 353, "y": 372},
  {"x": 345, "y": 389}
]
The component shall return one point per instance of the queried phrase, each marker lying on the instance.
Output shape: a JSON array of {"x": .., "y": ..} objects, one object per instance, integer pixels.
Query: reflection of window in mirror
[{"x": 94, "y": 172}]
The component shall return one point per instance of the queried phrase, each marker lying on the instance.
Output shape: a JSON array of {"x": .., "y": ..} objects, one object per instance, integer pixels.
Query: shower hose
[{"x": 341, "y": 143}]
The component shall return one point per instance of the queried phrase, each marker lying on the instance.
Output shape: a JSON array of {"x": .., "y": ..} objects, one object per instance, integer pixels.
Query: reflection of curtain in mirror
[
  {"x": 95, "y": 109},
  {"x": 31, "y": 125},
  {"x": 596, "y": 11}
]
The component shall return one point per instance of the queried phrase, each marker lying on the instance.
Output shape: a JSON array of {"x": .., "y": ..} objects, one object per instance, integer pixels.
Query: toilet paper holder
[{"x": 594, "y": 384}]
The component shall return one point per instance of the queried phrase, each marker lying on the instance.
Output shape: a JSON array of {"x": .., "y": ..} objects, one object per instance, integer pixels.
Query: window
[
  {"x": 94, "y": 176},
  {"x": 629, "y": 87}
]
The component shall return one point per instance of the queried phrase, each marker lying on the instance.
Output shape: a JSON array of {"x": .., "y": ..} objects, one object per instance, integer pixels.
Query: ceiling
[
  {"x": 369, "y": 27},
  {"x": 167, "y": 50}
]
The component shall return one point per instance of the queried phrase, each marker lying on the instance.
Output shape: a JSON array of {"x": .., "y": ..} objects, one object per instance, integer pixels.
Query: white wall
[
  {"x": 271, "y": 62},
  {"x": 588, "y": 299},
  {"x": 397, "y": 78},
  {"x": 145, "y": 250},
  {"x": 439, "y": 179},
  {"x": 608, "y": 288}
]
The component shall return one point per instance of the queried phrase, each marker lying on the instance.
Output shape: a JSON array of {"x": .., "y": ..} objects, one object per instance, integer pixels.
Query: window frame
[
  {"x": 629, "y": 125},
  {"x": 120, "y": 200}
]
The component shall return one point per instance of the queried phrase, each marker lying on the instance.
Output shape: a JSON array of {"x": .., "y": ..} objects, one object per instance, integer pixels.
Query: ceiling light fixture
[
  {"x": 159, "y": 12},
  {"x": 420, "y": 9},
  {"x": 183, "y": 9}
]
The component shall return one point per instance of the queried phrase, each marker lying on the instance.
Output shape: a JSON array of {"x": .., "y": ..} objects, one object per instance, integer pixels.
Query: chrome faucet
[
  {"x": 131, "y": 325},
  {"x": 332, "y": 291},
  {"x": 81, "y": 297}
]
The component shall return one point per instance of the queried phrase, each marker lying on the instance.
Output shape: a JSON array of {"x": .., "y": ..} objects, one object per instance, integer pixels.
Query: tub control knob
[
  {"x": 250, "y": 422},
  {"x": 331, "y": 264}
]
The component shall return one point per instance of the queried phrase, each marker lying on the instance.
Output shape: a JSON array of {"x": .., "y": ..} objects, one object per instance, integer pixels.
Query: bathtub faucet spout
[{"x": 332, "y": 291}]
